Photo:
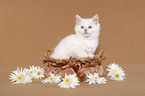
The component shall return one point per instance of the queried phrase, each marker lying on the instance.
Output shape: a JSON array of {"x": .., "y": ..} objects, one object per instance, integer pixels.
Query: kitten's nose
[{"x": 85, "y": 30}]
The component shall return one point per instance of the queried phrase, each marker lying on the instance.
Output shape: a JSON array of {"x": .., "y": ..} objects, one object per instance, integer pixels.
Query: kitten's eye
[
  {"x": 82, "y": 27},
  {"x": 90, "y": 27}
]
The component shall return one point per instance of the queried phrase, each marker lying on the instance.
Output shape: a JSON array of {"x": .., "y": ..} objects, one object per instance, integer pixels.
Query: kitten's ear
[
  {"x": 78, "y": 19},
  {"x": 96, "y": 18}
]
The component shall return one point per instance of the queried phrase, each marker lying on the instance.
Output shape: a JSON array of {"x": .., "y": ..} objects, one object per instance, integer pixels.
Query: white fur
[{"x": 80, "y": 44}]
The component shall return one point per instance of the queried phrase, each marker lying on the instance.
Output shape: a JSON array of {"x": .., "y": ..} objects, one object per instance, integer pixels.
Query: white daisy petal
[
  {"x": 52, "y": 79},
  {"x": 101, "y": 80},
  {"x": 20, "y": 76},
  {"x": 36, "y": 72},
  {"x": 94, "y": 78},
  {"x": 115, "y": 72},
  {"x": 69, "y": 81},
  {"x": 32, "y": 71}
]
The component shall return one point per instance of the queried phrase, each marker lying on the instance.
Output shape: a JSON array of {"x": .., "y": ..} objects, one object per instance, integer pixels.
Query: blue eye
[
  {"x": 90, "y": 27},
  {"x": 82, "y": 27}
]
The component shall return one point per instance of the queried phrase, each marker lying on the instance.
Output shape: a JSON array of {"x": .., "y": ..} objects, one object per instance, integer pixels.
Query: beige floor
[{"x": 134, "y": 85}]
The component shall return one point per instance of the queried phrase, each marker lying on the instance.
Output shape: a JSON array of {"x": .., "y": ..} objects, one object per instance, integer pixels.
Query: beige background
[{"x": 29, "y": 27}]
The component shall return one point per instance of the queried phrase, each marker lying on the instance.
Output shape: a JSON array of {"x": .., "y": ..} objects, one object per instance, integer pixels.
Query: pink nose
[{"x": 85, "y": 30}]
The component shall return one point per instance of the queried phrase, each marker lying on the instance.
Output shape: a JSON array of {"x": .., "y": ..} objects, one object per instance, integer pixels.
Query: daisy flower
[
  {"x": 32, "y": 70},
  {"x": 69, "y": 81},
  {"x": 119, "y": 75},
  {"x": 20, "y": 76},
  {"x": 39, "y": 73},
  {"x": 115, "y": 72},
  {"x": 113, "y": 67},
  {"x": 94, "y": 78},
  {"x": 101, "y": 80},
  {"x": 52, "y": 79}
]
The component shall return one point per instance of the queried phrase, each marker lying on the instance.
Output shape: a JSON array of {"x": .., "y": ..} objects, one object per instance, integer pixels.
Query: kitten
[{"x": 81, "y": 44}]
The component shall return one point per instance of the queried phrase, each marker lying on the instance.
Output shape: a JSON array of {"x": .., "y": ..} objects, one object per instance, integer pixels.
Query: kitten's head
[{"x": 87, "y": 26}]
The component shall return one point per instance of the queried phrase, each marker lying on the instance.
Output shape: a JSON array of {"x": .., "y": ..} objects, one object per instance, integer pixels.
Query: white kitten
[{"x": 81, "y": 44}]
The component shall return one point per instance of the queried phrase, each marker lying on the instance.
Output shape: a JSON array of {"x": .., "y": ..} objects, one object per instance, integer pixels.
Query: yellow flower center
[
  {"x": 38, "y": 73},
  {"x": 31, "y": 72},
  {"x": 117, "y": 75},
  {"x": 20, "y": 77},
  {"x": 67, "y": 80},
  {"x": 96, "y": 78},
  {"x": 51, "y": 78}
]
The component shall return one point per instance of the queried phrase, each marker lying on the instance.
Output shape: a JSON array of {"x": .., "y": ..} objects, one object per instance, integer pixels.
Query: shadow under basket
[{"x": 75, "y": 64}]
